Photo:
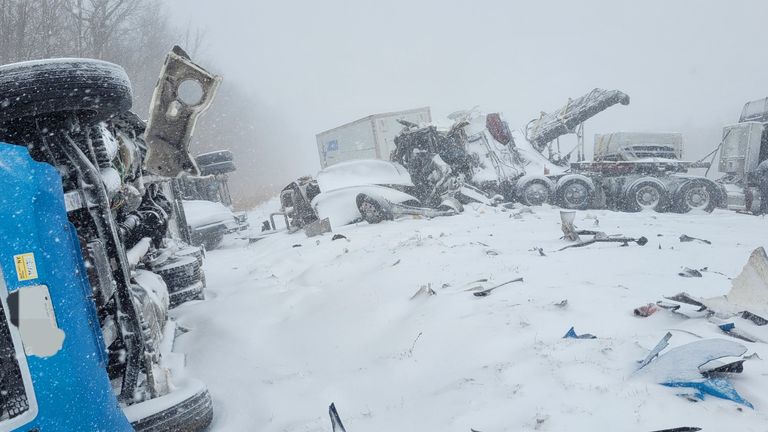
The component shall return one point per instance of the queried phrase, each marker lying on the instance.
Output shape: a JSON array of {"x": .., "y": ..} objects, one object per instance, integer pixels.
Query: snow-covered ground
[{"x": 292, "y": 324}]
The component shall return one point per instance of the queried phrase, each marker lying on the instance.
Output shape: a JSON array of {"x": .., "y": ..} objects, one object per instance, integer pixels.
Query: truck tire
[
  {"x": 534, "y": 193},
  {"x": 49, "y": 86},
  {"x": 574, "y": 194},
  {"x": 192, "y": 415},
  {"x": 217, "y": 168},
  {"x": 695, "y": 195},
  {"x": 646, "y": 194},
  {"x": 214, "y": 157}
]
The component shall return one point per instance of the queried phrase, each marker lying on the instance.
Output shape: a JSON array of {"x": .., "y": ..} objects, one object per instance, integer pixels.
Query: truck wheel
[
  {"x": 646, "y": 195},
  {"x": 534, "y": 193},
  {"x": 194, "y": 414},
  {"x": 574, "y": 194},
  {"x": 214, "y": 157},
  {"x": 49, "y": 86},
  {"x": 695, "y": 195}
]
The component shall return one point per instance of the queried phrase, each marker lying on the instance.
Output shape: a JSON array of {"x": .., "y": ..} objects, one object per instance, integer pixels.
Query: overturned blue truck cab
[
  {"x": 53, "y": 365},
  {"x": 91, "y": 255}
]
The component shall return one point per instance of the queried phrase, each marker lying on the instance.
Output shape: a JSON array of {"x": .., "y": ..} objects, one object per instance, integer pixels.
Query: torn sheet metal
[{"x": 174, "y": 111}]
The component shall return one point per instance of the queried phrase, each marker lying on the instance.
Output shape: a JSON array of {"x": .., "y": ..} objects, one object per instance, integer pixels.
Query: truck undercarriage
[{"x": 73, "y": 115}]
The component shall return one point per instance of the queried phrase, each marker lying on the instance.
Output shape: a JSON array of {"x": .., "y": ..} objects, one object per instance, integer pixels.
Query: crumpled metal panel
[
  {"x": 172, "y": 118},
  {"x": 549, "y": 127}
]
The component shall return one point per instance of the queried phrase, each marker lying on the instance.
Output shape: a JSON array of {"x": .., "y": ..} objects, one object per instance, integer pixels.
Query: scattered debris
[
  {"x": 684, "y": 239},
  {"x": 424, "y": 291},
  {"x": 562, "y": 304},
  {"x": 680, "y": 429},
  {"x": 663, "y": 343},
  {"x": 645, "y": 311},
  {"x": 566, "y": 224},
  {"x": 487, "y": 292},
  {"x": 681, "y": 367},
  {"x": 336, "y": 424},
  {"x": 339, "y": 237},
  {"x": 731, "y": 330},
  {"x": 395, "y": 263},
  {"x": 689, "y": 273},
  {"x": 296, "y": 246},
  {"x": 724, "y": 369},
  {"x": 756, "y": 319},
  {"x": 571, "y": 334},
  {"x": 491, "y": 252},
  {"x": 318, "y": 227},
  {"x": 749, "y": 291},
  {"x": 642, "y": 241}
]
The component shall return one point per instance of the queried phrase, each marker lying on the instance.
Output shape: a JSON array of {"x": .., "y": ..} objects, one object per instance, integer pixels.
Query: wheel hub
[
  {"x": 536, "y": 194},
  {"x": 697, "y": 197},
  {"x": 575, "y": 194},
  {"x": 648, "y": 197}
]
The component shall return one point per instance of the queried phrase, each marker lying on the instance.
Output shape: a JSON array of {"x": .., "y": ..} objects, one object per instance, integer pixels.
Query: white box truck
[{"x": 371, "y": 137}]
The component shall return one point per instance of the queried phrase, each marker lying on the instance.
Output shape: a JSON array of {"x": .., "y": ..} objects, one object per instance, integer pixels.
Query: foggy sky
[{"x": 688, "y": 66}]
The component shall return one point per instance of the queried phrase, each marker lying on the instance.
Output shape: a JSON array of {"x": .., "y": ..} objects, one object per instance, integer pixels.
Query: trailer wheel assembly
[
  {"x": 646, "y": 194},
  {"x": 534, "y": 193},
  {"x": 695, "y": 195},
  {"x": 574, "y": 193}
]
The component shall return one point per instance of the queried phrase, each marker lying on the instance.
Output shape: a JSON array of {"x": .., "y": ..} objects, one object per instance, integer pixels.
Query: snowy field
[{"x": 288, "y": 329}]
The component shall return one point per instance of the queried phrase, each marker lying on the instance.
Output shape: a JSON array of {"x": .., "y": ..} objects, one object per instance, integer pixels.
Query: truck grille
[{"x": 13, "y": 397}]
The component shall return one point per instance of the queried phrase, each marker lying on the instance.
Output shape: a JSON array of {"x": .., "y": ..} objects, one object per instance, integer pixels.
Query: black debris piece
[
  {"x": 684, "y": 239},
  {"x": 339, "y": 237}
]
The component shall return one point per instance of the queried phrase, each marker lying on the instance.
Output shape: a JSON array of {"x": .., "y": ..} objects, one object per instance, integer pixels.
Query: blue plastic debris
[
  {"x": 717, "y": 387},
  {"x": 572, "y": 335},
  {"x": 731, "y": 330}
]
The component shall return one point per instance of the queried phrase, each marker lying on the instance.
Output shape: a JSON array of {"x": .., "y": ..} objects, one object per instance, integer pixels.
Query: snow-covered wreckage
[{"x": 95, "y": 230}]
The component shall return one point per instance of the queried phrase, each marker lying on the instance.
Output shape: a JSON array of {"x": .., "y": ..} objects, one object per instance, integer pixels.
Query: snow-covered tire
[
  {"x": 214, "y": 157},
  {"x": 646, "y": 193},
  {"x": 194, "y": 414},
  {"x": 218, "y": 168},
  {"x": 534, "y": 192},
  {"x": 696, "y": 195},
  {"x": 574, "y": 193},
  {"x": 372, "y": 209},
  {"x": 49, "y": 86}
]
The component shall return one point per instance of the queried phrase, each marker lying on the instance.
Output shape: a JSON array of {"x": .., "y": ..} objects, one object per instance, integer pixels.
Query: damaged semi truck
[
  {"x": 743, "y": 148},
  {"x": 91, "y": 254}
]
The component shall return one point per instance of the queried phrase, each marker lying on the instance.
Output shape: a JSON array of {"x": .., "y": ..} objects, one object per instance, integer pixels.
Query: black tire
[
  {"x": 50, "y": 86},
  {"x": 574, "y": 194},
  {"x": 534, "y": 193},
  {"x": 192, "y": 415},
  {"x": 372, "y": 210},
  {"x": 214, "y": 157},
  {"x": 696, "y": 195},
  {"x": 213, "y": 240},
  {"x": 217, "y": 168},
  {"x": 646, "y": 194}
]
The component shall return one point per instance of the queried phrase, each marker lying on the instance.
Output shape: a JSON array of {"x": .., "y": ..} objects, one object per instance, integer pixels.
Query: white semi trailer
[{"x": 371, "y": 137}]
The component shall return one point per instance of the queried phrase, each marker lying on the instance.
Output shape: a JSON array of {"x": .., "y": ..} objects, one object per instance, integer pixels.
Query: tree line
[{"x": 136, "y": 34}]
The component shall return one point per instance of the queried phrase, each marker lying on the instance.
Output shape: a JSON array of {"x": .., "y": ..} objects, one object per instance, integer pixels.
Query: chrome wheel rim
[
  {"x": 648, "y": 197},
  {"x": 697, "y": 197}
]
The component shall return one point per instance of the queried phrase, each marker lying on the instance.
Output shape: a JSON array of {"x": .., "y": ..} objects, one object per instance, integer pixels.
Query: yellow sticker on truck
[{"x": 26, "y": 269}]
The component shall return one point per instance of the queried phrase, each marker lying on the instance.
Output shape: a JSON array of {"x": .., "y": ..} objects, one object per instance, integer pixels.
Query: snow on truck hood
[{"x": 201, "y": 213}]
